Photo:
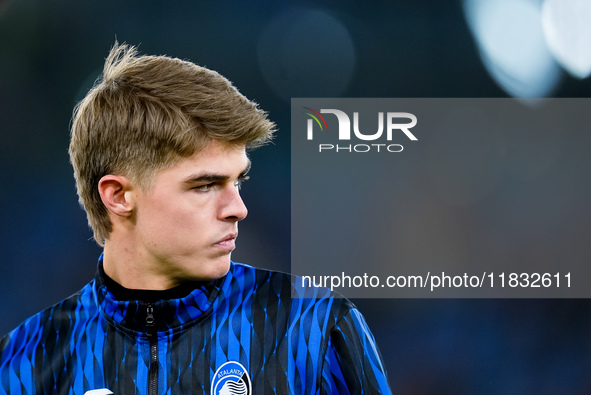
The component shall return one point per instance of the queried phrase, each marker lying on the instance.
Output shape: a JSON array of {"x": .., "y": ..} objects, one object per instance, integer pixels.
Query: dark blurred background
[{"x": 51, "y": 52}]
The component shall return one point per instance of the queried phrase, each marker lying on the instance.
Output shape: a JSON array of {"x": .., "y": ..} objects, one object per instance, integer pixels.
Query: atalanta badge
[{"x": 231, "y": 379}]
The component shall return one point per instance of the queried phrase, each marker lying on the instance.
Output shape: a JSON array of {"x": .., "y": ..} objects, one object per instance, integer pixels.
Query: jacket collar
[{"x": 167, "y": 315}]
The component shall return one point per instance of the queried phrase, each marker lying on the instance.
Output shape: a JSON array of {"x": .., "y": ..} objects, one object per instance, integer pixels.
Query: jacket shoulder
[
  {"x": 48, "y": 325},
  {"x": 302, "y": 297}
]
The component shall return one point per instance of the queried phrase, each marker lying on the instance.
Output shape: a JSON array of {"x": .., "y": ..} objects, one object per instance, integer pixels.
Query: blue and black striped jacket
[{"x": 287, "y": 343}]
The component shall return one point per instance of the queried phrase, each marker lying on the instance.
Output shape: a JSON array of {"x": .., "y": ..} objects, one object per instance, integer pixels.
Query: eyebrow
[{"x": 212, "y": 177}]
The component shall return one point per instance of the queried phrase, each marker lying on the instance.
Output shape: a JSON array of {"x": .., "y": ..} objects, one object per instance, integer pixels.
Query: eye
[{"x": 204, "y": 187}]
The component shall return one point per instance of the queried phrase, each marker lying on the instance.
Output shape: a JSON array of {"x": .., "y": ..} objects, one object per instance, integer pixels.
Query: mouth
[{"x": 228, "y": 243}]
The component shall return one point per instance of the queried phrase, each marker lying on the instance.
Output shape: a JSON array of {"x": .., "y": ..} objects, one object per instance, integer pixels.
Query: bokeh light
[
  {"x": 567, "y": 29},
  {"x": 512, "y": 46},
  {"x": 306, "y": 52}
]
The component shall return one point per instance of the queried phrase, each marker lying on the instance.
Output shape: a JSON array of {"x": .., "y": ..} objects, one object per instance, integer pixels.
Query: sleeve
[
  {"x": 352, "y": 362},
  {"x": 18, "y": 358}
]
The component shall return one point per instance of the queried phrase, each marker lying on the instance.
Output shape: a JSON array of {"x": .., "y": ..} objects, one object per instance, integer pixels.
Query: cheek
[{"x": 170, "y": 218}]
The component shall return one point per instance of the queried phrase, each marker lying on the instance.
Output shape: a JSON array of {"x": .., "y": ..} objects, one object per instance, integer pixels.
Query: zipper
[{"x": 153, "y": 336}]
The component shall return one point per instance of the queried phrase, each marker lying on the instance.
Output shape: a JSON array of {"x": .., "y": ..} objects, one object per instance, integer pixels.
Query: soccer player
[{"x": 158, "y": 147}]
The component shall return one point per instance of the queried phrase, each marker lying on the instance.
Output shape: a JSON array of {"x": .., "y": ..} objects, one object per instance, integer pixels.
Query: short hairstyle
[{"x": 145, "y": 114}]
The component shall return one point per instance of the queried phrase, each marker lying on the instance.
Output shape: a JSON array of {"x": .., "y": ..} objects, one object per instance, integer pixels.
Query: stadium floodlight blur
[
  {"x": 512, "y": 46},
  {"x": 568, "y": 33}
]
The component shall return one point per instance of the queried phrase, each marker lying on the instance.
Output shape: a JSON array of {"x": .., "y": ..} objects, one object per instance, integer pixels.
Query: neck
[{"x": 131, "y": 269}]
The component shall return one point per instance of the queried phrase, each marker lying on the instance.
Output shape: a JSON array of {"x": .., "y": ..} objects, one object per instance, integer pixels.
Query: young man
[{"x": 158, "y": 148}]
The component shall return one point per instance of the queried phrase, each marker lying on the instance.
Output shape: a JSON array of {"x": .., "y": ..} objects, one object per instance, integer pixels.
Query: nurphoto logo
[{"x": 396, "y": 124}]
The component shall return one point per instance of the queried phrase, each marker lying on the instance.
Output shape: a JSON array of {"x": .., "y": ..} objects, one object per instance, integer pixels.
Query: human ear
[{"x": 115, "y": 194}]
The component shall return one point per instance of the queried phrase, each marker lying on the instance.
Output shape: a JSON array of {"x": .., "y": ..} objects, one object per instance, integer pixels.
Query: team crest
[{"x": 231, "y": 379}]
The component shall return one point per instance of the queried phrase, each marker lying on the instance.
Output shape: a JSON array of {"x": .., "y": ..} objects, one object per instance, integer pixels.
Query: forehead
[{"x": 215, "y": 158}]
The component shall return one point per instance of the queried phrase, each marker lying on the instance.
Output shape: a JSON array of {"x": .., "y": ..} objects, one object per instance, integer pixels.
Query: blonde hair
[{"x": 145, "y": 114}]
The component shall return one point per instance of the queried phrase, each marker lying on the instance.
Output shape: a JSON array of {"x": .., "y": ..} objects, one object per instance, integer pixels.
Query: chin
[{"x": 218, "y": 269}]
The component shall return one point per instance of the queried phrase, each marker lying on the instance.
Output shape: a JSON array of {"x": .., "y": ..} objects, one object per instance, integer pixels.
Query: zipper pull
[{"x": 150, "y": 316}]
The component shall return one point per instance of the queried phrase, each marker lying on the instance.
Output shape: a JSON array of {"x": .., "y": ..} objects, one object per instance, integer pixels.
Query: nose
[{"x": 233, "y": 207}]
